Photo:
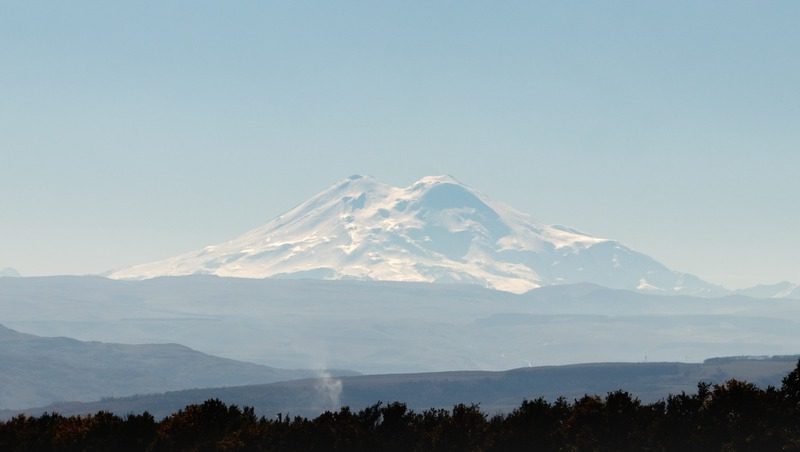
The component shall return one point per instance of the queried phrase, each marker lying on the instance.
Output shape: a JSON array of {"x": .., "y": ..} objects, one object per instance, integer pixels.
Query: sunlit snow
[{"x": 435, "y": 230}]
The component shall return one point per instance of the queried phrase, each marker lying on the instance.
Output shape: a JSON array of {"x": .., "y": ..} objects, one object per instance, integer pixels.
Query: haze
[{"x": 133, "y": 132}]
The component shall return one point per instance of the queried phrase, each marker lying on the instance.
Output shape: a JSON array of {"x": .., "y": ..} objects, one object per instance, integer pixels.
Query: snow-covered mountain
[
  {"x": 9, "y": 272},
  {"x": 784, "y": 289},
  {"x": 436, "y": 230}
]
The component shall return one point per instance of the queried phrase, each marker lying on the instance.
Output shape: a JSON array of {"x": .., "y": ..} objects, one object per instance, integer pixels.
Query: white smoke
[{"x": 329, "y": 390}]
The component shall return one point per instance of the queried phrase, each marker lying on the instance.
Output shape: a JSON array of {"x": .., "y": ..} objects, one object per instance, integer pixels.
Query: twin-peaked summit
[{"x": 435, "y": 230}]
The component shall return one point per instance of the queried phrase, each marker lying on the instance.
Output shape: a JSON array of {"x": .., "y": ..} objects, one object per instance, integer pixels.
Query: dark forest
[{"x": 734, "y": 416}]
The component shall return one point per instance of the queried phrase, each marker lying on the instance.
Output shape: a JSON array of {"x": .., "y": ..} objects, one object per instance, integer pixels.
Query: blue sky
[{"x": 133, "y": 131}]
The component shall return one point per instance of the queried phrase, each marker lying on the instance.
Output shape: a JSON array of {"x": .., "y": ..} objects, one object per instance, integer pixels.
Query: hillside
[
  {"x": 392, "y": 327},
  {"x": 494, "y": 391},
  {"x": 41, "y": 370}
]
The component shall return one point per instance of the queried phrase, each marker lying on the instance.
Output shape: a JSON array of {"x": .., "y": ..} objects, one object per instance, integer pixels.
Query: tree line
[{"x": 733, "y": 416}]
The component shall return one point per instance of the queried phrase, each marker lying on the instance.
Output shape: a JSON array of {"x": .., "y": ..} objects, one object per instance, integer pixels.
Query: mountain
[
  {"x": 436, "y": 230},
  {"x": 494, "y": 391},
  {"x": 783, "y": 289},
  {"x": 9, "y": 272},
  {"x": 391, "y": 327},
  {"x": 37, "y": 370}
]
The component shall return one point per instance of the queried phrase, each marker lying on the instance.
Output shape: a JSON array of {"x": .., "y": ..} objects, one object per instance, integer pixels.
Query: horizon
[
  {"x": 135, "y": 132},
  {"x": 448, "y": 178}
]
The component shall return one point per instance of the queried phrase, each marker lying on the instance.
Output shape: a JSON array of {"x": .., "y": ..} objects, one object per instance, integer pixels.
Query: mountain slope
[
  {"x": 40, "y": 370},
  {"x": 436, "y": 230},
  {"x": 494, "y": 391}
]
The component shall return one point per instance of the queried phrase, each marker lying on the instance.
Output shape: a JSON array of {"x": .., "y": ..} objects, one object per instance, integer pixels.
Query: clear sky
[{"x": 132, "y": 131}]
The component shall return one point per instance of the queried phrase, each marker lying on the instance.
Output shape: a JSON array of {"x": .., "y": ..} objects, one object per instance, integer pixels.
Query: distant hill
[
  {"x": 494, "y": 391},
  {"x": 37, "y": 371},
  {"x": 393, "y": 327}
]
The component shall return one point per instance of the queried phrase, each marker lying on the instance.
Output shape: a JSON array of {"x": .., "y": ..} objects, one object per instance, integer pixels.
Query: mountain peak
[
  {"x": 783, "y": 289},
  {"x": 9, "y": 272},
  {"x": 440, "y": 179},
  {"x": 357, "y": 180},
  {"x": 435, "y": 230}
]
